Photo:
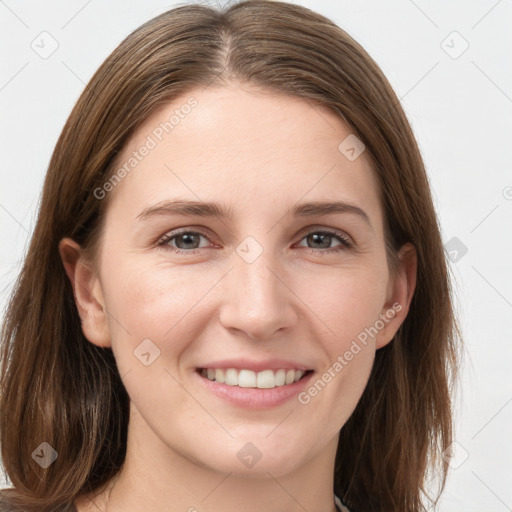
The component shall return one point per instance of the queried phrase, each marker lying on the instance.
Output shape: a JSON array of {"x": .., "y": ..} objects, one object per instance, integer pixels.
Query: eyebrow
[{"x": 205, "y": 209}]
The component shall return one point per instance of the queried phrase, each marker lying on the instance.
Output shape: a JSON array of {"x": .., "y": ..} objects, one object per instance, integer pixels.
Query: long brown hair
[{"x": 59, "y": 388}]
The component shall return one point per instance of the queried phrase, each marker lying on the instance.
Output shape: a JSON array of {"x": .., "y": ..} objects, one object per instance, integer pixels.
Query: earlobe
[
  {"x": 87, "y": 292},
  {"x": 401, "y": 290}
]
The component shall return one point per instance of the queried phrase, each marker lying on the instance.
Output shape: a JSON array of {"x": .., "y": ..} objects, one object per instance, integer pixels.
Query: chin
[{"x": 249, "y": 461}]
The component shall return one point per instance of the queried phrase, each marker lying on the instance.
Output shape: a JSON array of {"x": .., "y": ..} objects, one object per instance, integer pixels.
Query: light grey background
[{"x": 459, "y": 103}]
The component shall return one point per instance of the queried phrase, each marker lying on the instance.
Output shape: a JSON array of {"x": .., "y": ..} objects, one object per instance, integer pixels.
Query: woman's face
[{"x": 258, "y": 276}]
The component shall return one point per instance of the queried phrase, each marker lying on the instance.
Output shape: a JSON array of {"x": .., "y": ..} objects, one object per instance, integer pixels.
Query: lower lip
[{"x": 255, "y": 398}]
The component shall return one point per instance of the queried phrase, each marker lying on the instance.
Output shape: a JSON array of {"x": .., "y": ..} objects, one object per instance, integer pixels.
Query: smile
[{"x": 244, "y": 378}]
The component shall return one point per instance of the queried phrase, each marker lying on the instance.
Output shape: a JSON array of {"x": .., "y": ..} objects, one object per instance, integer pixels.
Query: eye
[
  {"x": 185, "y": 241},
  {"x": 325, "y": 237},
  {"x": 189, "y": 242}
]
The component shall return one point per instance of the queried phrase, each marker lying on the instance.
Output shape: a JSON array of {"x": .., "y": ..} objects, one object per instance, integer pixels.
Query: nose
[{"x": 257, "y": 299}]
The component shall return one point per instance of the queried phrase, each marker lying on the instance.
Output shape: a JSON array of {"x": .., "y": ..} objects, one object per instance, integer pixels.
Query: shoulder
[
  {"x": 339, "y": 504},
  {"x": 6, "y": 504}
]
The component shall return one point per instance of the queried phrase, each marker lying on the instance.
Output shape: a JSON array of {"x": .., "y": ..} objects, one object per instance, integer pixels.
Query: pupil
[
  {"x": 323, "y": 238},
  {"x": 188, "y": 238},
  {"x": 316, "y": 238}
]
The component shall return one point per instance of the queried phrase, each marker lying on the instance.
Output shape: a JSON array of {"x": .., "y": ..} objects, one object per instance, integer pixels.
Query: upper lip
[{"x": 257, "y": 366}]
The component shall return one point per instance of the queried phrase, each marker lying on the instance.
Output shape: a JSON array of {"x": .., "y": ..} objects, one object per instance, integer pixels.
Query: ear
[
  {"x": 400, "y": 292},
  {"x": 88, "y": 293}
]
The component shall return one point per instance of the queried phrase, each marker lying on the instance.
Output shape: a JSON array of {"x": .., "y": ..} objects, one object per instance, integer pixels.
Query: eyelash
[{"x": 346, "y": 243}]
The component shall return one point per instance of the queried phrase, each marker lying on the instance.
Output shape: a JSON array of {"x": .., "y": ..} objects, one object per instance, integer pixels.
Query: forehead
[{"x": 244, "y": 146}]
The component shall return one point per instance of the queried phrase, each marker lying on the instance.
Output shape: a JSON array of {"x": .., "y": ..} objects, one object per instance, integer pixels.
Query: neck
[{"x": 155, "y": 477}]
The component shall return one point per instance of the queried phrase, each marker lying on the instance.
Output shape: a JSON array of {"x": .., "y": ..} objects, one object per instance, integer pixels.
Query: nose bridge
[
  {"x": 256, "y": 301},
  {"x": 253, "y": 266}
]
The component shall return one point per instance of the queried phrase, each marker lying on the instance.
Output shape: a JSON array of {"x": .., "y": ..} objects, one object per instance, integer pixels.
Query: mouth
[{"x": 245, "y": 378}]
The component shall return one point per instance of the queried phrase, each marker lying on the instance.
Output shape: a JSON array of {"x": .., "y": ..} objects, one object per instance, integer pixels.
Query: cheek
[
  {"x": 150, "y": 322},
  {"x": 348, "y": 304},
  {"x": 345, "y": 301},
  {"x": 165, "y": 303},
  {"x": 155, "y": 302},
  {"x": 173, "y": 307}
]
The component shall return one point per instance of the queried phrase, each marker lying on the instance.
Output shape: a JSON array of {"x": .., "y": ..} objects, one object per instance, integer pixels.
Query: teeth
[
  {"x": 231, "y": 377},
  {"x": 248, "y": 379},
  {"x": 266, "y": 379},
  {"x": 219, "y": 376},
  {"x": 280, "y": 377}
]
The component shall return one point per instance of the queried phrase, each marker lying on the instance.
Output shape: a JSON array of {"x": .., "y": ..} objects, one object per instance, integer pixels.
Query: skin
[{"x": 259, "y": 153}]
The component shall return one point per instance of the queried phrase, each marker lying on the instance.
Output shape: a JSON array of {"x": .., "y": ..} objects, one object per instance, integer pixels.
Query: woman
[{"x": 177, "y": 340}]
